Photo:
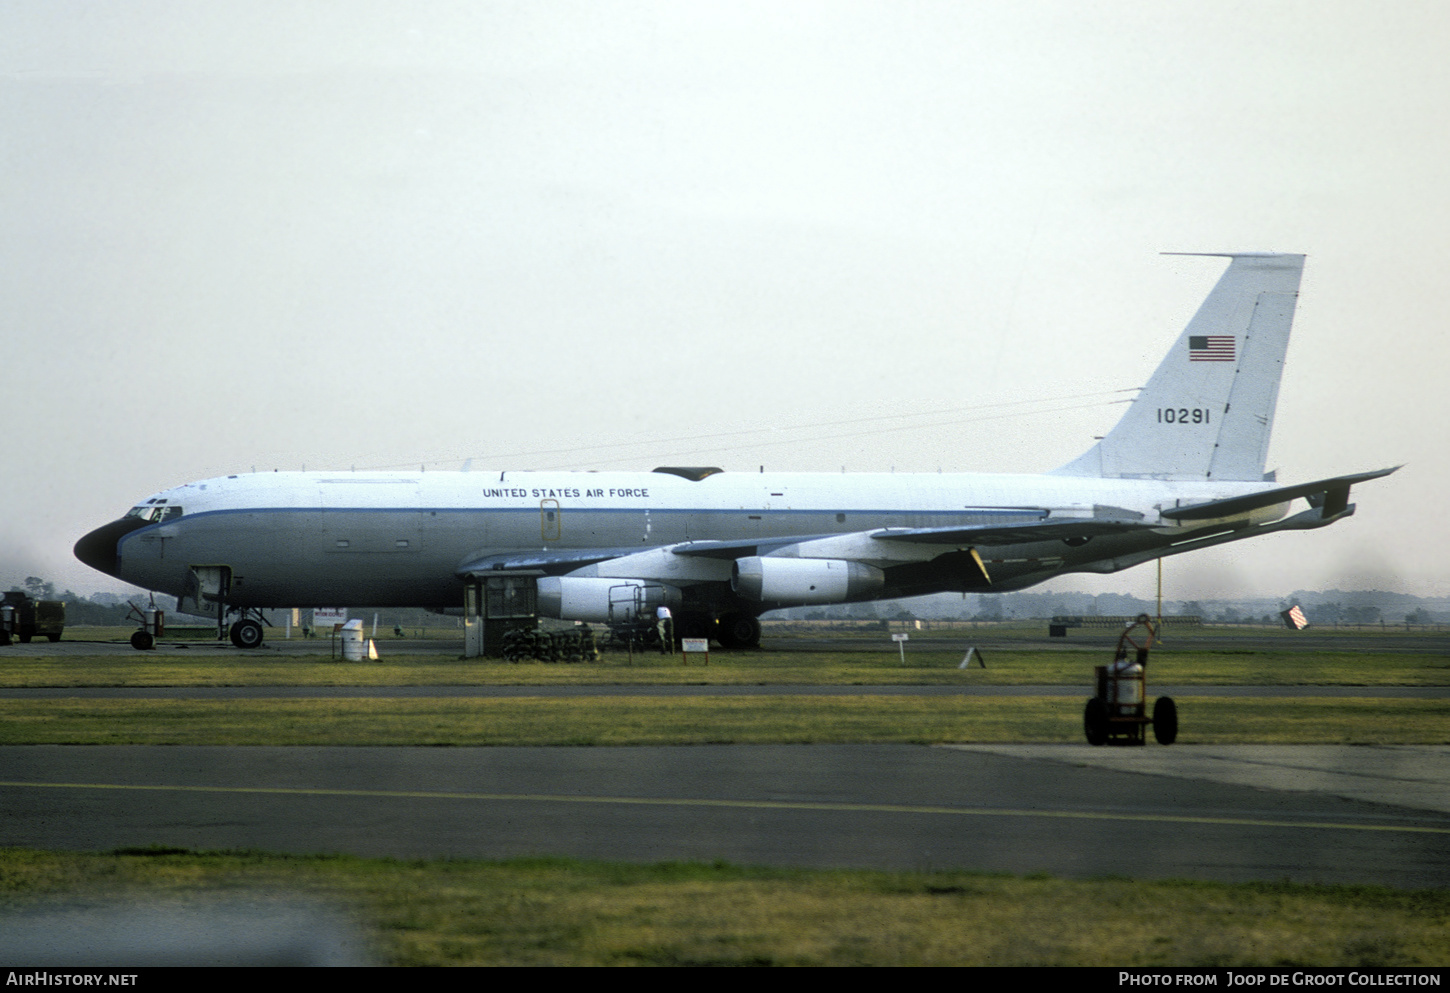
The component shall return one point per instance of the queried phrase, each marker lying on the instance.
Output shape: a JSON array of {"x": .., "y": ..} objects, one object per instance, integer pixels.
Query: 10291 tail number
[{"x": 1183, "y": 415}]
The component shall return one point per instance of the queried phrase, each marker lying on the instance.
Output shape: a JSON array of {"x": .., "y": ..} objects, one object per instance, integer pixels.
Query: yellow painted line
[{"x": 879, "y": 808}]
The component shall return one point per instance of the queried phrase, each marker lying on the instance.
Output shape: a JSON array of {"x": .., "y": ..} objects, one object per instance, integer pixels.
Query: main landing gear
[
  {"x": 738, "y": 631},
  {"x": 731, "y": 630}
]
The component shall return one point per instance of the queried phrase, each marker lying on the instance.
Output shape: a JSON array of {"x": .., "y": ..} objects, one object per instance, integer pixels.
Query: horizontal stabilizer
[{"x": 1334, "y": 493}]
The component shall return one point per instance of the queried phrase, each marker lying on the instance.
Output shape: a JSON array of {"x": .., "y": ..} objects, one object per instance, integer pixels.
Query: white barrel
[{"x": 352, "y": 641}]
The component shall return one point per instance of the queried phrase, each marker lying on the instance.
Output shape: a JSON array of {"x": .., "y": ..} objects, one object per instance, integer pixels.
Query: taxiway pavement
[{"x": 1309, "y": 813}]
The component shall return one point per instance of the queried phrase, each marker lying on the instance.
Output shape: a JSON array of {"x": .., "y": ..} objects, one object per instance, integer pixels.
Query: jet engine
[
  {"x": 587, "y": 598},
  {"x": 803, "y": 581}
]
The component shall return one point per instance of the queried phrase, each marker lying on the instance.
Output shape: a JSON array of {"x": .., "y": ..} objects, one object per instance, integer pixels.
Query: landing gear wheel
[
  {"x": 53, "y": 637},
  {"x": 739, "y": 631},
  {"x": 1165, "y": 720},
  {"x": 142, "y": 641},
  {"x": 247, "y": 634},
  {"x": 1095, "y": 722}
]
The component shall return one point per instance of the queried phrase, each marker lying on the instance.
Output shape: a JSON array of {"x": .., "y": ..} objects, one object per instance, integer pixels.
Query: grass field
[
  {"x": 627, "y": 720},
  {"x": 561, "y": 912},
  {"x": 694, "y": 720},
  {"x": 564, "y": 912},
  {"x": 1010, "y": 668},
  {"x": 933, "y": 657}
]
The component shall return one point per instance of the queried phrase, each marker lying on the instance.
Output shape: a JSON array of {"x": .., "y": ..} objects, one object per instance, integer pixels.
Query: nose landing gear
[{"x": 246, "y": 633}]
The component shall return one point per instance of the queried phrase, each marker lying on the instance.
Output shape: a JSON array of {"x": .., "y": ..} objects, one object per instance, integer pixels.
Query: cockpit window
[{"x": 155, "y": 515}]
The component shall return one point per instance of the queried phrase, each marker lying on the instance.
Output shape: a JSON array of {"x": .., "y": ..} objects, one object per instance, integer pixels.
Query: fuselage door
[{"x": 550, "y": 519}]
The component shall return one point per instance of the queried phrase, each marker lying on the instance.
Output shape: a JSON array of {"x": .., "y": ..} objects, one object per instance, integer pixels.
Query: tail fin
[{"x": 1208, "y": 410}]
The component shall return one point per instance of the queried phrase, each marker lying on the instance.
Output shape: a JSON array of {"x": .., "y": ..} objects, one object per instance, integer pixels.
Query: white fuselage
[{"x": 400, "y": 539}]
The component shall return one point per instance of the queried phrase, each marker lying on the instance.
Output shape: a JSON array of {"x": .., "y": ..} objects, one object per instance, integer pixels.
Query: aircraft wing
[
  {"x": 1331, "y": 495},
  {"x": 739, "y": 549},
  {"x": 1010, "y": 534},
  {"x": 553, "y": 562},
  {"x": 565, "y": 560},
  {"x": 544, "y": 562}
]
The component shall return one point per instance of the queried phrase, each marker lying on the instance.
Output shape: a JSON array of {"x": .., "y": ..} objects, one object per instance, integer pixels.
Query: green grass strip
[
  {"x": 695, "y": 720},
  {"x": 924, "y": 666},
  {"x": 565, "y": 912}
]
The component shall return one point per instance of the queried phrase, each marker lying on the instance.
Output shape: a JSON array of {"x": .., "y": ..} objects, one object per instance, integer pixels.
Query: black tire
[
  {"x": 142, "y": 641},
  {"x": 1095, "y": 722},
  {"x": 53, "y": 637},
  {"x": 25, "y": 638},
  {"x": 739, "y": 631},
  {"x": 247, "y": 634},
  {"x": 1165, "y": 720}
]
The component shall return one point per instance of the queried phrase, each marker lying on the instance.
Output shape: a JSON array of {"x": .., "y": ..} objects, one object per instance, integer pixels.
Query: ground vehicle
[
  {"x": 31, "y": 617},
  {"x": 1118, "y": 713}
]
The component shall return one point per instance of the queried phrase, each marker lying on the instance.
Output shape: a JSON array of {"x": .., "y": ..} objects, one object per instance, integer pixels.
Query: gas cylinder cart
[
  {"x": 153, "y": 626},
  {"x": 1118, "y": 714}
]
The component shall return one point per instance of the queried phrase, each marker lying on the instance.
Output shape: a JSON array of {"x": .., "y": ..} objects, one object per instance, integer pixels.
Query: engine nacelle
[
  {"x": 804, "y": 581},
  {"x": 587, "y": 598}
]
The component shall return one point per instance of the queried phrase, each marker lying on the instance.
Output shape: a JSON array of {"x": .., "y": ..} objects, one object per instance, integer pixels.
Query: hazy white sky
[{"x": 616, "y": 235}]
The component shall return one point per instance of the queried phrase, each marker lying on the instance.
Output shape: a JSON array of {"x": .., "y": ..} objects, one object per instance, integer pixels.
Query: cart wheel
[
  {"x": 1165, "y": 720},
  {"x": 142, "y": 641},
  {"x": 1095, "y": 722}
]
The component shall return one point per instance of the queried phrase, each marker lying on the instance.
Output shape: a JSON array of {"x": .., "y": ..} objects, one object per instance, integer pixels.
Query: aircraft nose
[{"x": 98, "y": 549}]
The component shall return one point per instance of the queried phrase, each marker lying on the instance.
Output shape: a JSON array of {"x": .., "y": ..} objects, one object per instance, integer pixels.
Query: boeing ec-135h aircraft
[{"x": 1182, "y": 470}]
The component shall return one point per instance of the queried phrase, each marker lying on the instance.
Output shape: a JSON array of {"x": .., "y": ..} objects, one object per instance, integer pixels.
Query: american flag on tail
[
  {"x": 1211, "y": 348},
  {"x": 1294, "y": 618}
]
